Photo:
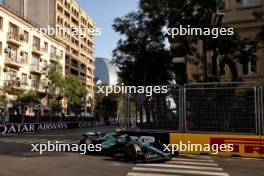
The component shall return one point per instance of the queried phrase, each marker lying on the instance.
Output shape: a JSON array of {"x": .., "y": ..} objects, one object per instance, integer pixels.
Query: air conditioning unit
[
  {"x": 21, "y": 37},
  {"x": 5, "y": 69},
  {"x": 7, "y": 50},
  {"x": 22, "y": 53}
]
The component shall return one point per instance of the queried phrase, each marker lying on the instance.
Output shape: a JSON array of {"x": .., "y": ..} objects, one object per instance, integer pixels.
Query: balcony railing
[
  {"x": 35, "y": 68},
  {"x": 35, "y": 86},
  {"x": 54, "y": 57},
  {"x": 15, "y": 38},
  {"x": 14, "y": 61},
  {"x": 15, "y": 84},
  {"x": 37, "y": 50}
]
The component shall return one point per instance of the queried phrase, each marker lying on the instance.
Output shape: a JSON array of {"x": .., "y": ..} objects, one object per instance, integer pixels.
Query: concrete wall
[
  {"x": 40, "y": 13},
  {"x": 15, "y": 5}
]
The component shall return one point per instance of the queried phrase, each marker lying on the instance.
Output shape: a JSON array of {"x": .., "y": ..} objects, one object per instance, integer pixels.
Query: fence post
[{"x": 261, "y": 109}]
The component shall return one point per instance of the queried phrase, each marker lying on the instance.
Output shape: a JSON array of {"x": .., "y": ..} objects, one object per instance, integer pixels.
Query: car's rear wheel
[
  {"x": 130, "y": 153},
  {"x": 85, "y": 141}
]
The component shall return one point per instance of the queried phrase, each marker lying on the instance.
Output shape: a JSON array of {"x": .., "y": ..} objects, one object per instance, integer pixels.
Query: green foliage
[
  {"x": 198, "y": 14},
  {"x": 75, "y": 92},
  {"x": 106, "y": 106},
  {"x": 141, "y": 54},
  {"x": 54, "y": 75},
  {"x": 29, "y": 98}
]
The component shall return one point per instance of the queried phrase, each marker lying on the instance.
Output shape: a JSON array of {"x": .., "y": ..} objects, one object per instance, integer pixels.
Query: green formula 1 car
[{"x": 123, "y": 146}]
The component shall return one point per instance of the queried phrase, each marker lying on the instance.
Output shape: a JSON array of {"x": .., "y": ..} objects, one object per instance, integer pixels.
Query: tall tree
[
  {"x": 55, "y": 87},
  {"x": 75, "y": 93},
  {"x": 196, "y": 14},
  {"x": 141, "y": 54}
]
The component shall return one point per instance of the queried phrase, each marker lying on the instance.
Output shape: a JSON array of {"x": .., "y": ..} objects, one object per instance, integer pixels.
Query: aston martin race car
[{"x": 122, "y": 146}]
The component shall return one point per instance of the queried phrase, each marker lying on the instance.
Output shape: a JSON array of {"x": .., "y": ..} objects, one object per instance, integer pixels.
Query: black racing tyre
[
  {"x": 130, "y": 153},
  {"x": 85, "y": 140}
]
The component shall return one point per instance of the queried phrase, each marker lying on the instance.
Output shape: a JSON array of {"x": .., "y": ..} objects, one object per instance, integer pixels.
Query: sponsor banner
[
  {"x": 243, "y": 145},
  {"x": 262, "y": 142},
  {"x": 148, "y": 137},
  {"x": 42, "y": 127}
]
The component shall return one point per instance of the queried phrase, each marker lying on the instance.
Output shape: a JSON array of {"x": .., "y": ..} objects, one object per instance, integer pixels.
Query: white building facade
[{"x": 25, "y": 54}]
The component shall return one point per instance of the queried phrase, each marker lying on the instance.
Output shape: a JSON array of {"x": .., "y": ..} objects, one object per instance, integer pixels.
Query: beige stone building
[
  {"x": 237, "y": 14},
  {"x": 24, "y": 55},
  {"x": 60, "y": 15}
]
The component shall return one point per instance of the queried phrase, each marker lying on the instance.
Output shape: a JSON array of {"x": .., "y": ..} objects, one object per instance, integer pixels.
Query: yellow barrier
[{"x": 243, "y": 145}]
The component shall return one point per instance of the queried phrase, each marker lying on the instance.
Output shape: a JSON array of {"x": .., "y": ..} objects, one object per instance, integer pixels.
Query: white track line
[
  {"x": 193, "y": 163},
  {"x": 190, "y": 159},
  {"x": 196, "y": 156},
  {"x": 181, "y": 166},
  {"x": 179, "y": 171},
  {"x": 149, "y": 174}
]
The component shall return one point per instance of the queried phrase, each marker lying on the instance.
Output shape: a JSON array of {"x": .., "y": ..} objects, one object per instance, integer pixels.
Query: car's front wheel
[{"x": 130, "y": 153}]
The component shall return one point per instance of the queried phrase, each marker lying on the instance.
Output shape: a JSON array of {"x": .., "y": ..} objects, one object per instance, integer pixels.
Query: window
[
  {"x": 24, "y": 59},
  {"x": 36, "y": 42},
  {"x": 11, "y": 75},
  {"x": 35, "y": 81},
  {"x": 1, "y": 47},
  {"x": 35, "y": 60},
  {"x": 12, "y": 54},
  {"x": 1, "y": 23},
  {"x": 46, "y": 47},
  {"x": 24, "y": 79},
  {"x": 250, "y": 66},
  {"x": 220, "y": 4},
  {"x": 13, "y": 30},
  {"x": 53, "y": 50},
  {"x": 248, "y": 2},
  {"x": 25, "y": 36}
]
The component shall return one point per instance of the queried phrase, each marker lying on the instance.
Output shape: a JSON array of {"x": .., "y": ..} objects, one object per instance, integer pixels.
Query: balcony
[
  {"x": 54, "y": 57},
  {"x": 34, "y": 68},
  {"x": 74, "y": 65},
  {"x": 83, "y": 80},
  {"x": 37, "y": 50},
  {"x": 15, "y": 39},
  {"x": 15, "y": 84},
  {"x": 83, "y": 71},
  {"x": 15, "y": 62},
  {"x": 18, "y": 85},
  {"x": 35, "y": 86},
  {"x": 43, "y": 86}
]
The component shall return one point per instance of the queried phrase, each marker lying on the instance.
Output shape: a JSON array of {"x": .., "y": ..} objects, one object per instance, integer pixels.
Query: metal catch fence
[{"x": 200, "y": 108}]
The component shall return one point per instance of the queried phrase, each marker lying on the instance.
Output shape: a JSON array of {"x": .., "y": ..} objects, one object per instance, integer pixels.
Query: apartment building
[
  {"x": 25, "y": 54},
  {"x": 61, "y": 14},
  {"x": 239, "y": 15}
]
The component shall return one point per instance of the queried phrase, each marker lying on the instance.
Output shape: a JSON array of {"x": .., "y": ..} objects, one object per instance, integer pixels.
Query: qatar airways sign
[{"x": 25, "y": 128}]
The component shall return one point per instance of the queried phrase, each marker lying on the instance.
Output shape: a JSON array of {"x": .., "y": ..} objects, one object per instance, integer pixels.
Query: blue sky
[{"x": 104, "y": 12}]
